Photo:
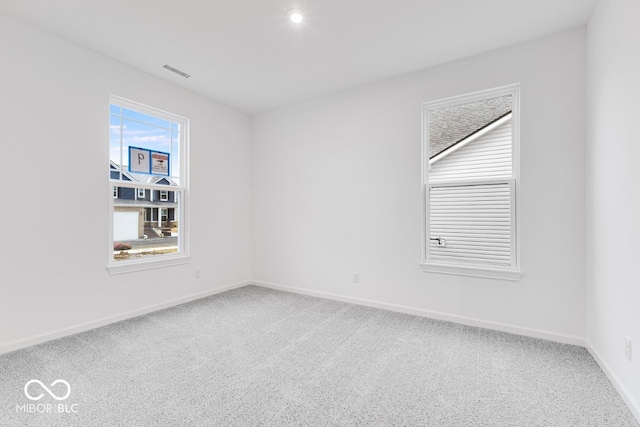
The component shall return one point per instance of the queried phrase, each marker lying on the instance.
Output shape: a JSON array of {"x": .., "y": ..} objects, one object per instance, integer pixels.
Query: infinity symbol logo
[{"x": 26, "y": 392}]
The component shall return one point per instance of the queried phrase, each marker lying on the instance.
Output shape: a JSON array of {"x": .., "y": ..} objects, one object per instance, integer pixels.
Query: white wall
[
  {"x": 54, "y": 241},
  {"x": 613, "y": 191},
  {"x": 336, "y": 190}
]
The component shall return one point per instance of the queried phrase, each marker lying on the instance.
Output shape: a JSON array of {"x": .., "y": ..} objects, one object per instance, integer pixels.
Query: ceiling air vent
[{"x": 175, "y": 70}]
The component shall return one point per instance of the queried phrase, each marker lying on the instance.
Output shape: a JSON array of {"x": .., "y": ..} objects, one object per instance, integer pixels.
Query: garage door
[{"x": 125, "y": 226}]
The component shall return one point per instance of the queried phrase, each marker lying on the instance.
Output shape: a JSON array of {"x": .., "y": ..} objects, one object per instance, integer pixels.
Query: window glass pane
[
  {"x": 450, "y": 125},
  {"x": 143, "y": 136},
  {"x": 143, "y": 229},
  {"x": 114, "y": 109},
  {"x": 471, "y": 223},
  {"x": 130, "y": 132}
]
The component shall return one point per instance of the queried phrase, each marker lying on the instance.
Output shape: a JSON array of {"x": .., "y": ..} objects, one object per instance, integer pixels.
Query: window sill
[
  {"x": 129, "y": 267},
  {"x": 473, "y": 271}
]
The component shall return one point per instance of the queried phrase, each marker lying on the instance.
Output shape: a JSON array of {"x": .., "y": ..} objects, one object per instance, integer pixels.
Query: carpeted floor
[{"x": 258, "y": 357}]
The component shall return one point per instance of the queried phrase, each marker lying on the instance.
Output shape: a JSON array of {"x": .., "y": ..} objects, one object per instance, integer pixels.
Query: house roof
[
  {"x": 144, "y": 203},
  {"x": 155, "y": 179},
  {"x": 450, "y": 125},
  {"x": 113, "y": 167},
  {"x": 473, "y": 137},
  {"x": 142, "y": 178}
]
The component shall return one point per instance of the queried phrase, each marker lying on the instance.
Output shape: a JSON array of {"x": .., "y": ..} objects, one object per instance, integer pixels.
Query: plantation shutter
[{"x": 472, "y": 222}]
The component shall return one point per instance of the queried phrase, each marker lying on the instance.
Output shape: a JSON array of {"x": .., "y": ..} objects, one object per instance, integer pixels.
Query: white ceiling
[{"x": 247, "y": 55}]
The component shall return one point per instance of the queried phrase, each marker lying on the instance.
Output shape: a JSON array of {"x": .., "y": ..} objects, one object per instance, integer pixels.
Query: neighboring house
[
  {"x": 486, "y": 151},
  {"x": 449, "y": 126},
  {"x": 140, "y": 211}
]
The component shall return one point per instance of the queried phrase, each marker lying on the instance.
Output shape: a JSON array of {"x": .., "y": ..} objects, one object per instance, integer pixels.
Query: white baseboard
[
  {"x": 528, "y": 332},
  {"x": 634, "y": 406},
  {"x": 38, "y": 339}
]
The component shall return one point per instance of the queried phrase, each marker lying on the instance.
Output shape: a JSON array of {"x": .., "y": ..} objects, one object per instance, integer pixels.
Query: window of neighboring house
[
  {"x": 471, "y": 184},
  {"x": 147, "y": 152}
]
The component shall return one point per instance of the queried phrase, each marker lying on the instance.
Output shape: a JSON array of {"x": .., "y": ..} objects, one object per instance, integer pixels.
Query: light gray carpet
[{"x": 259, "y": 357}]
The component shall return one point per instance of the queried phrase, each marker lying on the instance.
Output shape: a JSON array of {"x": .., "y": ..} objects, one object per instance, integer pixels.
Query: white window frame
[
  {"x": 140, "y": 193},
  {"x": 164, "y": 196},
  {"x": 512, "y": 272},
  {"x": 180, "y": 196}
]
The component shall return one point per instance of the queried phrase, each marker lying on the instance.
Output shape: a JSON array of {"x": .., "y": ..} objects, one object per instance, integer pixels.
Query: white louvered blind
[{"x": 473, "y": 222}]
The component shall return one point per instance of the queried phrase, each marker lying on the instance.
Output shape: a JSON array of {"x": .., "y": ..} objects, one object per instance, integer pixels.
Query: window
[
  {"x": 147, "y": 156},
  {"x": 470, "y": 178}
]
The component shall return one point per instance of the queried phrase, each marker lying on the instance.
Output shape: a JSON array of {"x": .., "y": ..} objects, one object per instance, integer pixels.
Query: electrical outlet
[
  {"x": 356, "y": 278},
  {"x": 627, "y": 347},
  {"x": 197, "y": 274}
]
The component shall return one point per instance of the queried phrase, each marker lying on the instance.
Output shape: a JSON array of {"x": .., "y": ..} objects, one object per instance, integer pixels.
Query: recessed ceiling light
[{"x": 295, "y": 15}]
